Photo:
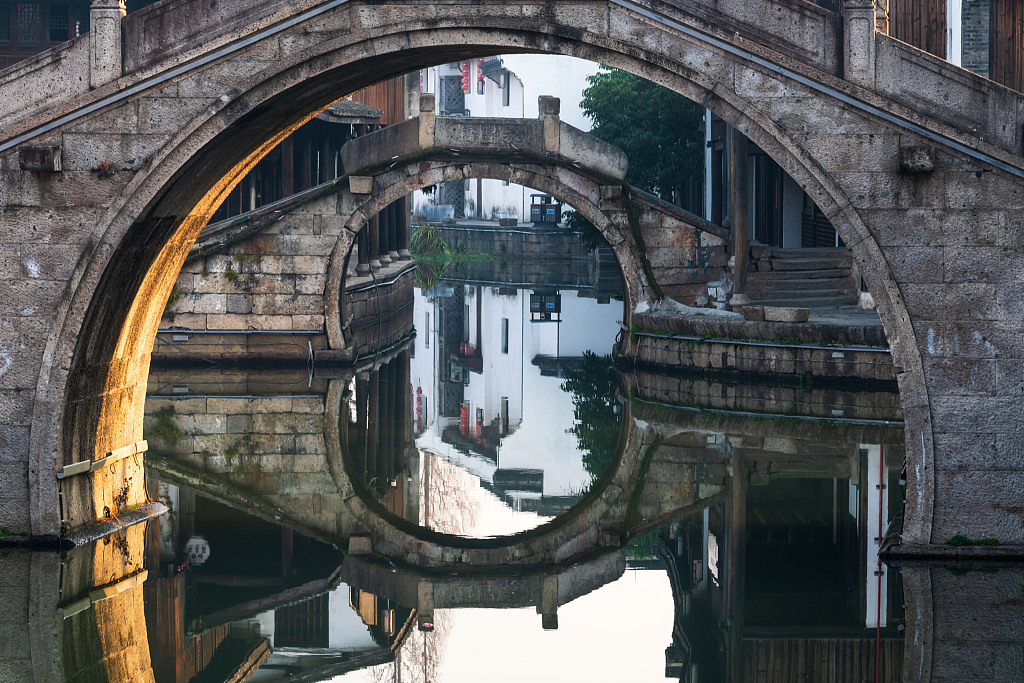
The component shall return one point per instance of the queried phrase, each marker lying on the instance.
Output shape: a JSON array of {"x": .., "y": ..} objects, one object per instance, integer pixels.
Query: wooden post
[
  {"x": 740, "y": 215},
  {"x": 394, "y": 215},
  {"x": 363, "y": 250},
  {"x": 373, "y": 244},
  {"x": 383, "y": 230},
  {"x": 404, "y": 229},
  {"x": 305, "y": 171},
  {"x": 735, "y": 571},
  {"x": 288, "y": 167}
]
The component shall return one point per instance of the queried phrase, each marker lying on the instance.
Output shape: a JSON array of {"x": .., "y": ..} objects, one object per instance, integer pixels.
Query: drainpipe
[{"x": 105, "y": 41}]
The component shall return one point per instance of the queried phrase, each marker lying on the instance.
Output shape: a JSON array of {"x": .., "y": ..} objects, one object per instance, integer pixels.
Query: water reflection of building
[
  {"x": 376, "y": 432},
  {"x": 266, "y": 604},
  {"x": 782, "y": 574},
  {"x": 487, "y": 390}
]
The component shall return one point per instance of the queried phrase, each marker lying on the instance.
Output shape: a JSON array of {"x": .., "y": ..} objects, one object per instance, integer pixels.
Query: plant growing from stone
[
  {"x": 172, "y": 299},
  {"x": 166, "y": 429}
]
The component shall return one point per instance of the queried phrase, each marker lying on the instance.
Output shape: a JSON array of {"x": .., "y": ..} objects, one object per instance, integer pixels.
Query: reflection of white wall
[
  {"x": 876, "y": 579},
  {"x": 587, "y": 325},
  {"x": 423, "y": 366},
  {"x": 502, "y": 372},
  {"x": 537, "y": 404},
  {"x": 543, "y": 441},
  {"x": 543, "y": 339},
  {"x": 346, "y": 630}
]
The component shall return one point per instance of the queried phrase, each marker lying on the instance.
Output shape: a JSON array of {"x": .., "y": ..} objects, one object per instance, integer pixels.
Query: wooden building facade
[{"x": 984, "y": 36}]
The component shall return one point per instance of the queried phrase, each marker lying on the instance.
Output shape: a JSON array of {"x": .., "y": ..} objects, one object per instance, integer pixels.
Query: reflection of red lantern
[{"x": 464, "y": 420}]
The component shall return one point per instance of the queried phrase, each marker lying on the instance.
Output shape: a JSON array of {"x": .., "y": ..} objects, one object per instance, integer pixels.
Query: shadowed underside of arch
[{"x": 166, "y": 155}]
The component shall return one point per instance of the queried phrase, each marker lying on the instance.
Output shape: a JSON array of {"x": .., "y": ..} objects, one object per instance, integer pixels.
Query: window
[
  {"x": 504, "y": 335},
  {"x": 29, "y": 21},
  {"x": 5, "y": 21},
  {"x": 57, "y": 23},
  {"x": 505, "y": 83},
  {"x": 426, "y": 330}
]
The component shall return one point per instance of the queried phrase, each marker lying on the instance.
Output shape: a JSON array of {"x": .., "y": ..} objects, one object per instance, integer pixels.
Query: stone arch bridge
[
  {"x": 662, "y": 249},
  {"x": 117, "y": 147}
]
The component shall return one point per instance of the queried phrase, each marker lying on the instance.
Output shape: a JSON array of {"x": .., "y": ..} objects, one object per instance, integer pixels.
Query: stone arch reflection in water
[
  {"x": 781, "y": 527},
  {"x": 495, "y": 451}
]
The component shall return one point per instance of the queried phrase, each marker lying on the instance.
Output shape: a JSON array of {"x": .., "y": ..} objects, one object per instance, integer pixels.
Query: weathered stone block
[
  {"x": 40, "y": 158},
  {"x": 917, "y": 159},
  {"x": 784, "y": 314},
  {"x": 238, "y": 303}
]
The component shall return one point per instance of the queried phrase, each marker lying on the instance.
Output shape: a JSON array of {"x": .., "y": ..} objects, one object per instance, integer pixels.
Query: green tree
[
  {"x": 594, "y": 386},
  {"x": 583, "y": 230},
  {"x": 660, "y": 131}
]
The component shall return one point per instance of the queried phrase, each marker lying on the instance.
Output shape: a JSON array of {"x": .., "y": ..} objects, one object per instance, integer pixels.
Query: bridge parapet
[{"x": 544, "y": 138}]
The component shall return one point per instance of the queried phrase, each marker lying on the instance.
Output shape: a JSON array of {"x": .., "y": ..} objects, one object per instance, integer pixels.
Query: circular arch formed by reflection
[
  {"x": 581, "y": 193},
  {"x": 103, "y": 335},
  {"x": 597, "y": 521}
]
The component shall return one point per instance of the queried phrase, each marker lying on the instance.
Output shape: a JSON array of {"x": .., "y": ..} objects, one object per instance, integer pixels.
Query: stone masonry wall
[
  {"x": 270, "y": 449},
  {"x": 273, "y": 280},
  {"x": 91, "y": 250}
]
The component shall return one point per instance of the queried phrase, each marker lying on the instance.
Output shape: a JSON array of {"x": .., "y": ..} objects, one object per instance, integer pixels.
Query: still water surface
[{"x": 487, "y": 423}]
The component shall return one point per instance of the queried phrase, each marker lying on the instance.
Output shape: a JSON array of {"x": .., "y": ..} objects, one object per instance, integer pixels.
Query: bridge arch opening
[
  {"x": 582, "y": 196},
  {"x": 498, "y": 357},
  {"x": 110, "y": 326}
]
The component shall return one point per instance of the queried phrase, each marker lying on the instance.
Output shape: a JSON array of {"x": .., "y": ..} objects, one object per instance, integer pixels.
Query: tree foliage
[
  {"x": 583, "y": 230},
  {"x": 594, "y": 387},
  {"x": 660, "y": 131}
]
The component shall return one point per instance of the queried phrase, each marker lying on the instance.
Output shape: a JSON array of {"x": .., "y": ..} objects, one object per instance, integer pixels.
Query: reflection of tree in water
[
  {"x": 594, "y": 386},
  {"x": 419, "y": 660},
  {"x": 448, "y": 506}
]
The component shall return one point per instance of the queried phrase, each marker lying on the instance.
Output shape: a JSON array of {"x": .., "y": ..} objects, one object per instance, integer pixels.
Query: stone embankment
[{"x": 837, "y": 344}]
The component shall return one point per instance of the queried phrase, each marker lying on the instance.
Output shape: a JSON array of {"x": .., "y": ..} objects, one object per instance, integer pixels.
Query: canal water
[{"x": 499, "y": 414}]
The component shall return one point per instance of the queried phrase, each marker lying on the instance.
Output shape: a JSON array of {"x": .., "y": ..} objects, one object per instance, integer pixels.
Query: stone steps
[
  {"x": 841, "y": 285},
  {"x": 778, "y": 275},
  {"x": 811, "y": 278},
  {"x": 833, "y": 301},
  {"x": 818, "y": 252},
  {"x": 806, "y": 264}
]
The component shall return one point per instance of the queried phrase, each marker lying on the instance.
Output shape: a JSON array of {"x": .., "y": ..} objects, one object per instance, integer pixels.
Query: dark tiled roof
[{"x": 347, "y": 111}]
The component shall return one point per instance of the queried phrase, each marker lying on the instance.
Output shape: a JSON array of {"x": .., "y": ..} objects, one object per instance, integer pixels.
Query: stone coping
[{"x": 830, "y": 330}]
